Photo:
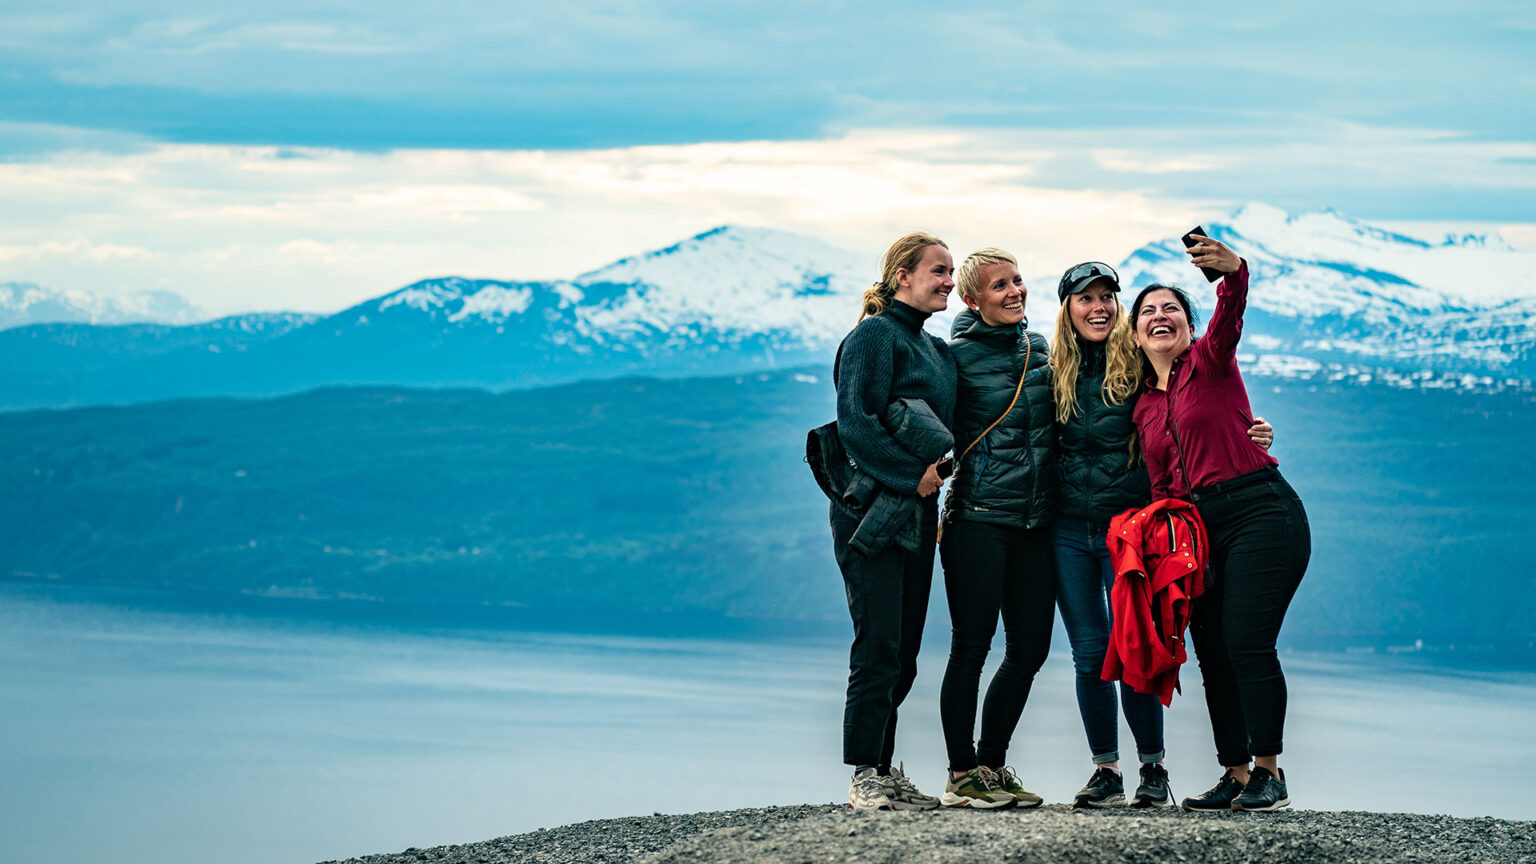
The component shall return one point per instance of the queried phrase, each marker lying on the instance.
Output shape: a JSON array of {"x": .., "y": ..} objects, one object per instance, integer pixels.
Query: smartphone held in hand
[{"x": 1189, "y": 238}]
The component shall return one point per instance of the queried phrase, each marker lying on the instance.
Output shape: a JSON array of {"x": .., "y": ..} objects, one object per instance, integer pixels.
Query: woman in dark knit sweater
[
  {"x": 888, "y": 357},
  {"x": 1191, "y": 418}
]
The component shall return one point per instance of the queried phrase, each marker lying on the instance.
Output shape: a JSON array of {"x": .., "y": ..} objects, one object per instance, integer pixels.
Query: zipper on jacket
[
  {"x": 1034, "y": 466},
  {"x": 1088, "y": 502}
]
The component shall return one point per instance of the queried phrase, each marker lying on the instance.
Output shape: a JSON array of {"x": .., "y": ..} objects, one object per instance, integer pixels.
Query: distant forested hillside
[{"x": 690, "y": 496}]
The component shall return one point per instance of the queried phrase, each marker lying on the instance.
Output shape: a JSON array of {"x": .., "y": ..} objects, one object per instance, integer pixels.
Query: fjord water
[{"x": 168, "y": 736}]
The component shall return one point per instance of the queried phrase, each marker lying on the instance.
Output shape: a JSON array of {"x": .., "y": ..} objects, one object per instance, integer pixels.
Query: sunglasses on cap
[
  {"x": 1082, "y": 275},
  {"x": 1092, "y": 270}
]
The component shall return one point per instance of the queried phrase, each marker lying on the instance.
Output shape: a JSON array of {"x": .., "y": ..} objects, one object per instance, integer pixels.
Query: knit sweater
[{"x": 889, "y": 357}]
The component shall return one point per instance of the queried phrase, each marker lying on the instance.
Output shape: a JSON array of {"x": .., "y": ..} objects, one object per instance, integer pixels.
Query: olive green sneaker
[
  {"x": 978, "y": 789},
  {"x": 904, "y": 794},
  {"x": 1009, "y": 782}
]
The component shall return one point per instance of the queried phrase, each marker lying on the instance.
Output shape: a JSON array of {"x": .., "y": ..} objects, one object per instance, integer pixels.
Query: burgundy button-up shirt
[{"x": 1195, "y": 433}]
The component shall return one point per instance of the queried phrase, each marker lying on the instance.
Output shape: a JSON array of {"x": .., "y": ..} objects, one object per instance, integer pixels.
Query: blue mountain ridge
[{"x": 1333, "y": 298}]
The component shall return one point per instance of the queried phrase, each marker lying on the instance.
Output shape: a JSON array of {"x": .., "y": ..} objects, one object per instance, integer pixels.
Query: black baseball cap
[{"x": 1080, "y": 277}]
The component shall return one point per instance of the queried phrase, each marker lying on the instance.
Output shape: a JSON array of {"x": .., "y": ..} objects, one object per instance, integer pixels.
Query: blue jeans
[{"x": 1083, "y": 578}]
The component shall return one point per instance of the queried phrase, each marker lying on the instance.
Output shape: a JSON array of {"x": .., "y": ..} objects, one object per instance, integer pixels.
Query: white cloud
[{"x": 237, "y": 228}]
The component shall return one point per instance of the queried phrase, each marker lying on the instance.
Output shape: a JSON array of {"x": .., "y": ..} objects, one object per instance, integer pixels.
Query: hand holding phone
[{"x": 1191, "y": 238}]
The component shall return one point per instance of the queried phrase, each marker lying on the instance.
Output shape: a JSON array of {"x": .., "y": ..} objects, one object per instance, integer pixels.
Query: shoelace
[
  {"x": 1257, "y": 782},
  {"x": 987, "y": 778},
  {"x": 1007, "y": 778},
  {"x": 900, "y": 780},
  {"x": 870, "y": 787}
]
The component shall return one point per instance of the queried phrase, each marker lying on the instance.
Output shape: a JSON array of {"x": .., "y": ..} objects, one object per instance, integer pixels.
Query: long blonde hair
[
  {"x": 1122, "y": 373},
  {"x": 905, "y": 254}
]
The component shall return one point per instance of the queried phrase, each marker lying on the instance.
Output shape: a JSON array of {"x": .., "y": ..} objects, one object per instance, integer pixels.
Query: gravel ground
[{"x": 1050, "y": 835}]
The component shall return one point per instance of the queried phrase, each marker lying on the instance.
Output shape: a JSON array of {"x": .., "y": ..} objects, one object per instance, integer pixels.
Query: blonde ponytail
[{"x": 905, "y": 254}]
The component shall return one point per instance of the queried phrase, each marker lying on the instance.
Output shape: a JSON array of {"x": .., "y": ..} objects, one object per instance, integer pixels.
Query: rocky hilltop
[{"x": 1050, "y": 835}]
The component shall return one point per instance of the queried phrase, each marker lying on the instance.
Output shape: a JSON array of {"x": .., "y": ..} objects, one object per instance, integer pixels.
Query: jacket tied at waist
[
  {"x": 1159, "y": 554},
  {"x": 885, "y": 517}
]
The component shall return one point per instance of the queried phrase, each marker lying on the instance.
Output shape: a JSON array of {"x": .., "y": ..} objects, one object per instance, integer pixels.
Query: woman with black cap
[{"x": 1096, "y": 371}]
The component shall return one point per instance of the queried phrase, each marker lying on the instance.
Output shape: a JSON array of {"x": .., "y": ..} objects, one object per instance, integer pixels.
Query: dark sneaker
[
  {"x": 867, "y": 792},
  {"x": 1009, "y": 782},
  {"x": 1105, "y": 789},
  {"x": 1217, "y": 798},
  {"x": 1264, "y": 793},
  {"x": 977, "y": 789},
  {"x": 904, "y": 794},
  {"x": 1153, "y": 791}
]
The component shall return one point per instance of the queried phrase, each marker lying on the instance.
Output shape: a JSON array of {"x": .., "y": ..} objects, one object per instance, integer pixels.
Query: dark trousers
[
  {"x": 1083, "y": 579},
  {"x": 1260, "y": 545},
  {"x": 888, "y": 601},
  {"x": 992, "y": 571}
]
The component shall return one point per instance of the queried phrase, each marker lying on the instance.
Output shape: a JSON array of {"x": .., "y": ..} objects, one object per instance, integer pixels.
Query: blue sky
[{"x": 1400, "y": 111}]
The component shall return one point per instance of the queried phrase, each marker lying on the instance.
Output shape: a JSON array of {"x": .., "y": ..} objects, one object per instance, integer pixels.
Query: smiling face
[
  {"x": 926, "y": 288},
  {"x": 1162, "y": 324},
  {"x": 999, "y": 295},
  {"x": 1093, "y": 311}
]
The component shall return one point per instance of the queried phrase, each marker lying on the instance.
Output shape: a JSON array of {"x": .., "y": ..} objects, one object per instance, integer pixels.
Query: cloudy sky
[{"x": 310, "y": 155}]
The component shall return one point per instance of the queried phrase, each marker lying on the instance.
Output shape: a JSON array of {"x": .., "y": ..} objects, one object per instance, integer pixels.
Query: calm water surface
[{"x": 140, "y": 736}]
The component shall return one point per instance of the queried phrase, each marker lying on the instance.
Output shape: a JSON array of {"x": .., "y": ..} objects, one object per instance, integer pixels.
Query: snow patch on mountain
[
  {"x": 732, "y": 280},
  {"x": 23, "y": 303},
  {"x": 494, "y": 303}
]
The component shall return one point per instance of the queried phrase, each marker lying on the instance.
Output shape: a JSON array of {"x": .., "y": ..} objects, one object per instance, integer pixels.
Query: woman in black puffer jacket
[
  {"x": 996, "y": 547},
  {"x": 1095, "y": 368}
]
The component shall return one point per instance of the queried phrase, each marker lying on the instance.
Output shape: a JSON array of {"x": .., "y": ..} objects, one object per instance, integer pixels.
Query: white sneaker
[{"x": 867, "y": 791}]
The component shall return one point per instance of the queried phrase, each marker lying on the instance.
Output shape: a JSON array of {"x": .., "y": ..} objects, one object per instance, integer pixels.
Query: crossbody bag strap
[{"x": 1006, "y": 411}]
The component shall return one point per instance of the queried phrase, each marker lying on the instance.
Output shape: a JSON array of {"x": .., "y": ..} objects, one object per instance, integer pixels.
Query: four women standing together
[{"x": 1050, "y": 444}]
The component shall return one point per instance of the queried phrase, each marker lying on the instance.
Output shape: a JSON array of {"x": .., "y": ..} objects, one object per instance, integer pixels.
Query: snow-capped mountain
[
  {"x": 1338, "y": 291},
  {"x": 1332, "y": 298},
  {"x": 23, "y": 303},
  {"x": 745, "y": 297}
]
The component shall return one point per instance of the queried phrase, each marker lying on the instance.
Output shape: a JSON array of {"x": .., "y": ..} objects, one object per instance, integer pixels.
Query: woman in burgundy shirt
[{"x": 1193, "y": 419}]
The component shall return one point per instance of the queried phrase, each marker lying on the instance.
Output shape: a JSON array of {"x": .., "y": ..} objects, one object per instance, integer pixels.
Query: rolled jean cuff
[
  {"x": 1266, "y": 749},
  {"x": 1106, "y": 758},
  {"x": 1150, "y": 758}
]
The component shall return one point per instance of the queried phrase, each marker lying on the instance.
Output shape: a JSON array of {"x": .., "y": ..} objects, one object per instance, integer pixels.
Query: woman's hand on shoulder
[
  {"x": 1214, "y": 254},
  {"x": 1261, "y": 432}
]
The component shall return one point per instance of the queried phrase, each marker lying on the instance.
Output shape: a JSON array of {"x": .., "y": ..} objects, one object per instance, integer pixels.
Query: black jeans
[
  {"x": 991, "y": 570},
  {"x": 1260, "y": 545},
  {"x": 888, "y": 601}
]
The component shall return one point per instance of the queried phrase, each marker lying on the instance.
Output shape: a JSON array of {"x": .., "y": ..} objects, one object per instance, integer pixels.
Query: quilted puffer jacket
[
  {"x": 886, "y": 517},
  {"x": 1009, "y": 477},
  {"x": 1099, "y": 478}
]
